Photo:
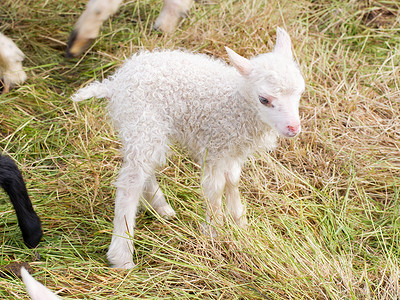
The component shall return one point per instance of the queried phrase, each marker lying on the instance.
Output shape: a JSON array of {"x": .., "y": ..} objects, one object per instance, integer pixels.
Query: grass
[{"x": 324, "y": 208}]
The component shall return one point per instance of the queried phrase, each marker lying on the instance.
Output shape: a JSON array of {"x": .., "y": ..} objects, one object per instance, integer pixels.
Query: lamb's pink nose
[{"x": 294, "y": 129}]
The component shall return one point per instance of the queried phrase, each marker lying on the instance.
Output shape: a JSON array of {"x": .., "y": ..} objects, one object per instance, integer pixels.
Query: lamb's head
[{"x": 273, "y": 85}]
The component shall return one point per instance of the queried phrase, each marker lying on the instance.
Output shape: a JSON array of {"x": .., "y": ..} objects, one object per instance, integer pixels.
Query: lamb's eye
[{"x": 265, "y": 101}]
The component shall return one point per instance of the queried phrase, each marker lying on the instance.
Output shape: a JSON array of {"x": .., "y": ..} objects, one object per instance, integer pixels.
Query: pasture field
[{"x": 324, "y": 208}]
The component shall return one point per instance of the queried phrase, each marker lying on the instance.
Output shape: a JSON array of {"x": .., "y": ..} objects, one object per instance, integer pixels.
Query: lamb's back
[{"x": 172, "y": 77}]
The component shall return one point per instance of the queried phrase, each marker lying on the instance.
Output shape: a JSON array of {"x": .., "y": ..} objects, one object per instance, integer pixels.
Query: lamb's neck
[
  {"x": 253, "y": 129},
  {"x": 252, "y": 132}
]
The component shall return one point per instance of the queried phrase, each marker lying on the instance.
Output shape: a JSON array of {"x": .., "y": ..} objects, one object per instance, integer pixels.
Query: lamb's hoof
[
  {"x": 156, "y": 30},
  {"x": 208, "y": 229},
  {"x": 4, "y": 89},
  {"x": 166, "y": 212},
  {"x": 125, "y": 266},
  {"x": 241, "y": 222},
  {"x": 77, "y": 44},
  {"x": 166, "y": 23},
  {"x": 118, "y": 256}
]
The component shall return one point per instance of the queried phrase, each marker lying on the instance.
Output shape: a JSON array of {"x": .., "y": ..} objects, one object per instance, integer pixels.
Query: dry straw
[{"x": 323, "y": 208}]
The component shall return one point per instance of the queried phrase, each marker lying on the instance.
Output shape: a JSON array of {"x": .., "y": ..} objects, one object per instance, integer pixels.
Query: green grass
[{"x": 324, "y": 208}]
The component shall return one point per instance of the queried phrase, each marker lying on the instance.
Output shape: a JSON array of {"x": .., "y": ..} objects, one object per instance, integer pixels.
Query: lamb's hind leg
[
  {"x": 129, "y": 189},
  {"x": 155, "y": 197},
  {"x": 143, "y": 152},
  {"x": 235, "y": 207}
]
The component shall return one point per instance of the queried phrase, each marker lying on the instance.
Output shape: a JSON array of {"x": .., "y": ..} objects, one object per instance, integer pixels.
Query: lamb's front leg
[
  {"x": 213, "y": 187},
  {"x": 235, "y": 207},
  {"x": 129, "y": 189}
]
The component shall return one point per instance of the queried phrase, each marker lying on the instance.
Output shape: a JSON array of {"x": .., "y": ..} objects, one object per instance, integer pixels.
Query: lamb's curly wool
[{"x": 220, "y": 114}]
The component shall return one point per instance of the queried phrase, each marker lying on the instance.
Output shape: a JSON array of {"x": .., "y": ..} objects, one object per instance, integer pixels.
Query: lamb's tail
[
  {"x": 96, "y": 89},
  {"x": 36, "y": 290}
]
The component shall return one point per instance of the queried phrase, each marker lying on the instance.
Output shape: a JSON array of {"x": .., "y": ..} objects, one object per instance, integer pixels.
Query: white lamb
[{"x": 220, "y": 114}]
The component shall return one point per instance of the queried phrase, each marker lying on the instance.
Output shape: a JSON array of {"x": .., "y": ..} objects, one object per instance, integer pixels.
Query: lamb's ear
[
  {"x": 283, "y": 43},
  {"x": 243, "y": 65}
]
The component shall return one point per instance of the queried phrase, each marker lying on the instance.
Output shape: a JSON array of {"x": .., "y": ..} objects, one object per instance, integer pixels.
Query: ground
[{"x": 324, "y": 210}]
